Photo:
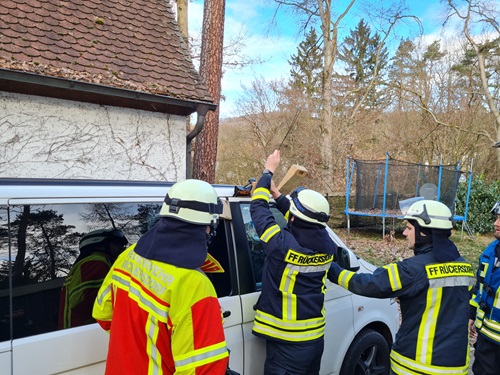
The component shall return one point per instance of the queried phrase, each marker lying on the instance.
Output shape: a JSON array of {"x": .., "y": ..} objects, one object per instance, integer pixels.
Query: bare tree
[
  {"x": 205, "y": 152},
  {"x": 485, "y": 17},
  {"x": 330, "y": 18}
]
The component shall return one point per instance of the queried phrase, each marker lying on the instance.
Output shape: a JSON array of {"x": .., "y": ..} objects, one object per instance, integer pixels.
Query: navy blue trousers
[
  {"x": 293, "y": 358},
  {"x": 486, "y": 357}
]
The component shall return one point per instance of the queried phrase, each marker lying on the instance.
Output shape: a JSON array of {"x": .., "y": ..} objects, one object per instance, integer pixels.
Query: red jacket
[{"x": 162, "y": 319}]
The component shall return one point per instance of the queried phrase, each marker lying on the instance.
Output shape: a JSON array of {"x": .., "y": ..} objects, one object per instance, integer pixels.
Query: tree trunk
[
  {"x": 205, "y": 150},
  {"x": 18, "y": 268},
  {"x": 182, "y": 18},
  {"x": 329, "y": 30}
]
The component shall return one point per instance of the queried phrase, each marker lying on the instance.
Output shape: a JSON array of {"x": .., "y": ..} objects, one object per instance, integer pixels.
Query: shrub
[{"x": 482, "y": 198}]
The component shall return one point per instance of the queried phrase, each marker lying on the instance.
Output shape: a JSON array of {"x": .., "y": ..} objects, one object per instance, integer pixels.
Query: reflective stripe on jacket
[
  {"x": 433, "y": 337},
  {"x": 487, "y": 299},
  {"x": 80, "y": 290},
  {"x": 162, "y": 319},
  {"x": 291, "y": 305}
]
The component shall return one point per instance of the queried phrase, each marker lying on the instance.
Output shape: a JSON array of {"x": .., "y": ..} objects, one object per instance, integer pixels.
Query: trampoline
[{"x": 379, "y": 186}]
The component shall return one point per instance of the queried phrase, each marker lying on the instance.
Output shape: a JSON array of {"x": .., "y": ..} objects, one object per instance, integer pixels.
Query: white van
[{"x": 41, "y": 221}]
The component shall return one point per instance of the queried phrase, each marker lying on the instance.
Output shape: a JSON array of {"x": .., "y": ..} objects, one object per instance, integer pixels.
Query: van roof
[{"x": 22, "y": 188}]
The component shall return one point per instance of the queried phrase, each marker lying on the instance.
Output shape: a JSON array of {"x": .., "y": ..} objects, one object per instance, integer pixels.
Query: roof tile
[{"x": 121, "y": 43}]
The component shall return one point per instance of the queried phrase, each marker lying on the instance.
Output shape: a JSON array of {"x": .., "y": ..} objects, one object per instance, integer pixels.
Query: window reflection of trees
[
  {"x": 44, "y": 243},
  {"x": 38, "y": 249}
]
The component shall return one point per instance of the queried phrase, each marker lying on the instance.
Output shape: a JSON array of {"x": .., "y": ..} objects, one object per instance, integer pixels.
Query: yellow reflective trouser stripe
[
  {"x": 393, "y": 273},
  {"x": 289, "y": 299},
  {"x": 403, "y": 365},
  {"x": 200, "y": 357},
  {"x": 288, "y": 336},
  {"x": 261, "y": 193},
  {"x": 152, "y": 329},
  {"x": 427, "y": 329},
  {"x": 271, "y": 231},
  {"x": 298, "y": 330},
  {"x": 286, "y": 325},
  {"x": 344, "y": 278}
]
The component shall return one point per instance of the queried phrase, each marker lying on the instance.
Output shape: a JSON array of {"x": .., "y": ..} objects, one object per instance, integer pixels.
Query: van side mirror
[{"x": 347, "y": 259}]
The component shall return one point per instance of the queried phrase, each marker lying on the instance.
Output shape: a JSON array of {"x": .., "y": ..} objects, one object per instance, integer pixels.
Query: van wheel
[{"x": 368, "y": 355}]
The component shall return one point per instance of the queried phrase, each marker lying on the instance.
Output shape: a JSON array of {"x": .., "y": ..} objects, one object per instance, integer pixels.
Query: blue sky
[{"x": 275, "y": 44}]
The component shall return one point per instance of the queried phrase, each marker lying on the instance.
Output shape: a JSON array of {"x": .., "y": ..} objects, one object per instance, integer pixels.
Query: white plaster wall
[{"x": 45, "y": 137}]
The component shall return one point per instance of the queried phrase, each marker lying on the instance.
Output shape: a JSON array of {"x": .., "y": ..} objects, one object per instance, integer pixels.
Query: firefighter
[
  {"x": 98, "y": 251},
  {"x": 433, "y": 290},
  {"x": 160, "y": 309},
  {"x": 485, "y": 306},
  {"x": 290, "y": 313}
]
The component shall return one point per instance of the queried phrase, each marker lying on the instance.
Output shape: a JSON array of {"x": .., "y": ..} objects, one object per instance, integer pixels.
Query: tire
[{"x": 369, "y": 354}]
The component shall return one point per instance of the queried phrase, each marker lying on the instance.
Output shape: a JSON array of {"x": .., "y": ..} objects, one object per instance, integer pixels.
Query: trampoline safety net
[{"x": 404, "y": 180}]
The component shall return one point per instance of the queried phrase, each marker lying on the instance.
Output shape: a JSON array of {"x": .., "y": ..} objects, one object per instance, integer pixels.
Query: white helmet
[
  {"x": 495, "y": 211},
  {"x": 193, "y": 201},
  {"x": 430, "y": 214},
  {"x": 310, "y": 206}
]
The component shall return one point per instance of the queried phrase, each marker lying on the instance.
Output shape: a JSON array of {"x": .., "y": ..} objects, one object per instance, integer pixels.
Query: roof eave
[{"x": 54, "y": 87}]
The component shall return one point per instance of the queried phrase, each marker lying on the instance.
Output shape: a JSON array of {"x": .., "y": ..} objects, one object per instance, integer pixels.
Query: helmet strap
[
  {"x": 174, "y": 204},
  {"x": 423, "y": 236}
]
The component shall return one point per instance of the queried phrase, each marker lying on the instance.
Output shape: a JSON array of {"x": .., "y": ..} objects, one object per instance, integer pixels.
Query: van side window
[
  {"x": 44, "y": 244},
  {"x": 257, "y": 254}
]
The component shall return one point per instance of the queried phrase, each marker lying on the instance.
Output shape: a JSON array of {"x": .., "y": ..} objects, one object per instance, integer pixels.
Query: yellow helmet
[
  {"x": 430, "y": 214},
  {"x": 310, "y": 206},
  {"x": 193, "y": 201}
]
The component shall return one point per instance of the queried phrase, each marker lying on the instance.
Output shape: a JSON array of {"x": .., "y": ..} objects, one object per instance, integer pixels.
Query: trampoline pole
[
  {"x": 385, "y": 192},
  {"x": 469, "y": 183},
  {"x": 347, "y": 193},
  {"x": 440, "y": 175}
]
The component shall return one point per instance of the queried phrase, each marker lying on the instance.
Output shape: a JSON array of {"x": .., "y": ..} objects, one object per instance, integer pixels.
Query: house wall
[{"x": 45, "y": 137}]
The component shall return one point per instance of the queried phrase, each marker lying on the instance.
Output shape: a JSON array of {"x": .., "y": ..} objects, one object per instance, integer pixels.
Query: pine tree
[
  {"x": 403, "y": 72},
  {"x": 306, "y": 68},
  {"x": 364, "y": 62}
]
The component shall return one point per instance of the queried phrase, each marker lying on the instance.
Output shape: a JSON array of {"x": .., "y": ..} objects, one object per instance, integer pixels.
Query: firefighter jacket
[
  {"x": 80, "y": 289},
  {"x": 291, "y": 305},
  {"x": 162, "y": 319},
  {"x": 433, "y": 337},
  {"x": 487, "y": 297}
]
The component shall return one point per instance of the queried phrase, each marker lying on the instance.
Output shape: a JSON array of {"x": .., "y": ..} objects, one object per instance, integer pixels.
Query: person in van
[
  {"x": 98, "y": 251},
  {"x": 433, "y": 291},
  {"x": 290, "y": 313},
  {"x": 160, "y": 309}
]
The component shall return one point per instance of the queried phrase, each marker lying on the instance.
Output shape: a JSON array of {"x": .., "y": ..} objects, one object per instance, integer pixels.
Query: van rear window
[{"x": 39, "y": 245}]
